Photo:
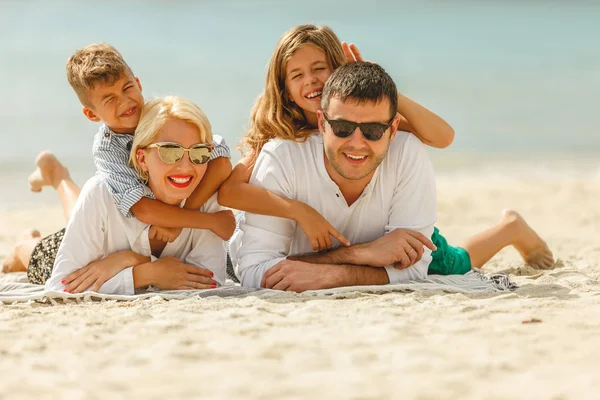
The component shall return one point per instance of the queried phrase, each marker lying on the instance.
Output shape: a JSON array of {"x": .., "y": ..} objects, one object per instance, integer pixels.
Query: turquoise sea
[{"x": 518, "y": 80}]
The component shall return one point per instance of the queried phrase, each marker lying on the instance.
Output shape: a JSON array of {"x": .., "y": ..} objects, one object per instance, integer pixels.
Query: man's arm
[
  {"x": 413, "y": 203},
  {"x": 401, "y": 248},
  {"x": 298, "y": 276}
]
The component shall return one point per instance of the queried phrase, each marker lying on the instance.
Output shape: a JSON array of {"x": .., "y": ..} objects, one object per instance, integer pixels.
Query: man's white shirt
[
  {"x": 401, "y": 194},
  {"x": 97, "y": 229}
]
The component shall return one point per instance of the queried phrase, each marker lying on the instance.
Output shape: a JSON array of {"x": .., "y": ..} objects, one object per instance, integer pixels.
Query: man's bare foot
[
  {"x": 532, "y": 247},
  {"x": 49, "y": 172}
]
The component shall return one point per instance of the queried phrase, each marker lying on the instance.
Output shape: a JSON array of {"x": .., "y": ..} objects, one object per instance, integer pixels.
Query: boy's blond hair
[
  {"x": 274, "y": 115},
  {"x": 155, "y": 114},
  {"x": 96, "y": 63}
]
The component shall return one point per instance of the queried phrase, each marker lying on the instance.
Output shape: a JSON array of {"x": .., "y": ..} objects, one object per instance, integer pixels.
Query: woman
[
  {"x": 106, "y": 252},
  {"x": 304, "y": 58}
]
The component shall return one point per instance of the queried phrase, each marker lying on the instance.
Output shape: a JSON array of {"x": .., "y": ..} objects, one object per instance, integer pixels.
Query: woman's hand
[
  {"x": 167, "y": 235},
  {"x": 316, "y": 228},
  {"x": 169, "y": 273},
  {"x": 95, "y": 274}
]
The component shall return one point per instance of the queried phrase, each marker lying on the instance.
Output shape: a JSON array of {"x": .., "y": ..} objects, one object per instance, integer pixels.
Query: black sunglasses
[{"x": 372, "y": 131}]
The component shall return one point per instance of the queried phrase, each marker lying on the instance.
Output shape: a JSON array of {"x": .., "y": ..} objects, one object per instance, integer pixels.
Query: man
[{"x": 373, "y": 184}]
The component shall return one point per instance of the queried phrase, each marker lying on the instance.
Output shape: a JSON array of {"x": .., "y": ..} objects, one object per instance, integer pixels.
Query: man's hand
[
  {"x": 298, "y": 276},
  {"x": 167, "y": 235},
  {"x": 401, "y": 248},
  {"x": 95, "y": 274}
]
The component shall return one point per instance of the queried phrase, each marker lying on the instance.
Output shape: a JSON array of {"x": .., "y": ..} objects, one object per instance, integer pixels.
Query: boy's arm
[
  {"x": 154, "y": 212},
  {"x": 217, "y": 172}
]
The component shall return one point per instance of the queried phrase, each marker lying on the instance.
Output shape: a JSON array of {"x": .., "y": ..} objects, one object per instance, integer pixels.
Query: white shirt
[
  {"x": 401, "y": 194},
  {"x": 97, "y": 229}
]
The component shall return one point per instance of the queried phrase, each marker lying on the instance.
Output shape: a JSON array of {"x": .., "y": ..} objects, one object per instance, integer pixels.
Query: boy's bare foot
[
  {"x": 49, "y": 172},
  {"x": 532, "y": 247}
]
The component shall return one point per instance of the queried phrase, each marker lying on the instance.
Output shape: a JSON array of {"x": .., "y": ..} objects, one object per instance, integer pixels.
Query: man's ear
[
  {"x": 90, "y": 114},
  {"x": 394, "y": 126},
  {"x": 137, "y": 80},
  {"x": 320, "y": 122}
]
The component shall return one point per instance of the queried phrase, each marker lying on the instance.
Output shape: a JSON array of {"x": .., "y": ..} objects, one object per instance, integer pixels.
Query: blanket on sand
[{"x": 15, "y": 288}]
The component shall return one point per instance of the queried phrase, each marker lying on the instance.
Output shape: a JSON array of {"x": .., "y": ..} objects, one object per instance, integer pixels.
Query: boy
[{"x": 111, "y": 94}]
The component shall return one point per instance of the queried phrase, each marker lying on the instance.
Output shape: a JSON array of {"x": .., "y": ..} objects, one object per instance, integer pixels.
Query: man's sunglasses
[
  {"x": 171, "y": 153},
  {"x": 372, "y": 131}
]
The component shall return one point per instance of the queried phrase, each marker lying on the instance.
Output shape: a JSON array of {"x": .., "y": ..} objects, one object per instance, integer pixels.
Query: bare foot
[
  {"x": 532, "y": 247},
  {"x": 49, "y": 172},
  {"x": 30, "y": 234},
  {"x": 14, "y": 261}
]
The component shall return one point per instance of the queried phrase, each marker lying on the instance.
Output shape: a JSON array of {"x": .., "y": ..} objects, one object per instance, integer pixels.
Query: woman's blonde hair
[
  {"x": 156, "y": 112},
  {"x": 274, "y": 115}
]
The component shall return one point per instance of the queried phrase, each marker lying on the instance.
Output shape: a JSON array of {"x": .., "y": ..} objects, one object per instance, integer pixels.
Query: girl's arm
[
  {"x": 430, "y": 128},
  {"x": 237, "y": 193}
]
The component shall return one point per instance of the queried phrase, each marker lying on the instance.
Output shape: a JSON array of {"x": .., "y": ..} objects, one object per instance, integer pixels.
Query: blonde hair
[
  {"x": 274, "y": 115},
  {"x": 98, "y": 62},
  {"x": 154, "y": 115}
]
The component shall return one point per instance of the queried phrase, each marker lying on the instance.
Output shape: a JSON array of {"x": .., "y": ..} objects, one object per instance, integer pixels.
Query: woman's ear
[{"x": 140, "y": 154}]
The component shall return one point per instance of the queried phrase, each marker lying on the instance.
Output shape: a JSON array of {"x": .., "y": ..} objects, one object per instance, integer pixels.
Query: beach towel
[{"x": 15, "y": 288}]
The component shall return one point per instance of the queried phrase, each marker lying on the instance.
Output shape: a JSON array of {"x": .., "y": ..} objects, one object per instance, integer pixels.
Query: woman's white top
[{"x": 97, "y": 229}]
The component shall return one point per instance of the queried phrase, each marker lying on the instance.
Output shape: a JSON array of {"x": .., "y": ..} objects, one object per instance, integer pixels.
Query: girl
[{"x": 304, "y": 58}]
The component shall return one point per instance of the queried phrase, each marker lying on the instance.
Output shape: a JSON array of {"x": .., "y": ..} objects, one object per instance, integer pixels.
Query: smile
[
  {"x": 129, "y": 112},
  {"x": 313, "y": 95},
  {"x": 180, "y": 181},
  {"x": 355, "y": 158}
]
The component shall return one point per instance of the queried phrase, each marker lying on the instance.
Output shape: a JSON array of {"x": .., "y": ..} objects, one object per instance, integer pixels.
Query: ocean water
[{"x": 518, "y": 80}]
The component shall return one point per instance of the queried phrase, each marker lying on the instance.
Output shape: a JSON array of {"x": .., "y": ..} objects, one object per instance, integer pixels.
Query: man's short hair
[
  {"x": 361, "y": 82},
  {"x": 96, "y": 63}
]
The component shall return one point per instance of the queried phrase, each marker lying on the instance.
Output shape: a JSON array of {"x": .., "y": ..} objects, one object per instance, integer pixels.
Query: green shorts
[{"x": 448, "y": 260}]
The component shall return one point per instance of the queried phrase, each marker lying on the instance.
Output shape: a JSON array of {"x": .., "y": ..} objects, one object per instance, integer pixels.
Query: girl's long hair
[{"x": 274, "y": 115}]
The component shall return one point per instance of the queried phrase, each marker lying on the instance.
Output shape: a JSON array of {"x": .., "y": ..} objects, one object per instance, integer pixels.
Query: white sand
[{"x": 419, "y": 345}]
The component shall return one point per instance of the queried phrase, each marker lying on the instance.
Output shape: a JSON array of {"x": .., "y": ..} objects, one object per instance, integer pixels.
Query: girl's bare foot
[
  {"x": 532, "y": 247},
  {"x": 49, "y": 172}
]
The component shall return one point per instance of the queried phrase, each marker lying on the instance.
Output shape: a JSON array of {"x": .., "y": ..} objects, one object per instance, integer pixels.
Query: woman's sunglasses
[
  {"x": 171, "y": 153},
  {"x": 372, "y": 131}
]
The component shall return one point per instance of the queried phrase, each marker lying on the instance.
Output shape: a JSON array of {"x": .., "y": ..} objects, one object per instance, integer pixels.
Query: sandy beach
[{"x": 540, "y": 342}]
